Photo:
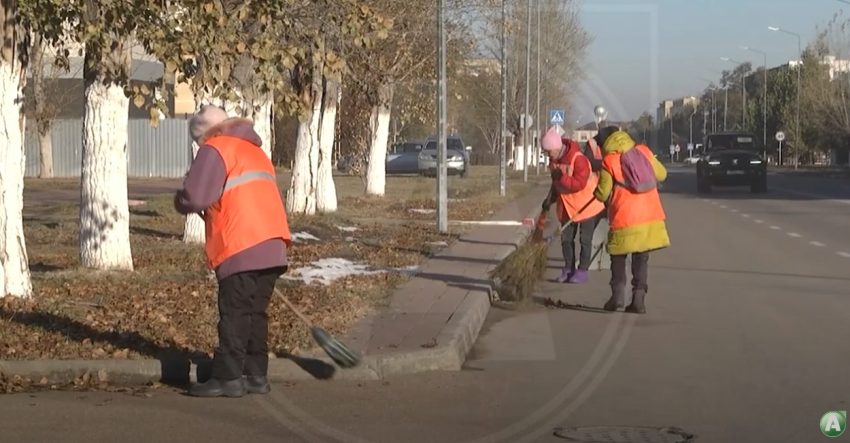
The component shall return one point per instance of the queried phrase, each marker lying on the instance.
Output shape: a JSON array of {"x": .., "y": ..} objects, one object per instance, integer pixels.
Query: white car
[{"x": 691, "y": 160}]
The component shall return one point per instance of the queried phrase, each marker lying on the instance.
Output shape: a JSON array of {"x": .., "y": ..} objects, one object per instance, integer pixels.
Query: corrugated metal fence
[{"x": 152, "y": 152}]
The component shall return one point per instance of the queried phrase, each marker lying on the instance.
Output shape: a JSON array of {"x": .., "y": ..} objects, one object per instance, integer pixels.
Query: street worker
[
  {"x": 573, "y": 183},
  {"x": 232, "y": 184},
  {"x": 628, "y": 184}
]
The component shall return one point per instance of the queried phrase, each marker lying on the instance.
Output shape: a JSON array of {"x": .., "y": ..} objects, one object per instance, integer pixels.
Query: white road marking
[
  {"x": 844, "y": 254},
  {"x": 735, "y": 211},
  {"x": 794, "y": 234},
  {"x": 759, "y": 221},
  {"x": 723, "y": 206},
  {"x": 817, "y": 243},
  {"x": 776, "y": 228},
  {"x": 745, "y": 215}
]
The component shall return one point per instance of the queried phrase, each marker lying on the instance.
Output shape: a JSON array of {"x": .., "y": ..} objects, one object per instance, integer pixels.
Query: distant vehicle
[
  {"x": 457, "y": 161},
  {"x": 691, "y": 160},
  {"x": 403, "y": 158},
  {"x": 731, "y": 159}
]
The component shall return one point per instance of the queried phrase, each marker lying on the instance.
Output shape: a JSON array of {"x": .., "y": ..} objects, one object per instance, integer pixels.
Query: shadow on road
[{"x": 746, "y": 272}]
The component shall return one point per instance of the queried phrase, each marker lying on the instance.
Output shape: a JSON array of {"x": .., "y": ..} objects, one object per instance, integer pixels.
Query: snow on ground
[
  {"x": 348, "y": 228},
  {"x": 299, "y": 237},
  {"x": 423, "y": 211},
  {"x": 329, "y": 270}
]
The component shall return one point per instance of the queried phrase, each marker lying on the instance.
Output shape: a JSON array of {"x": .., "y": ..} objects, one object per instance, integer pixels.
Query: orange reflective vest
[
  {"x": 574, "y": 206},
  {"x": 625, "y": 207},
  {"x": 250, "y": 209}
]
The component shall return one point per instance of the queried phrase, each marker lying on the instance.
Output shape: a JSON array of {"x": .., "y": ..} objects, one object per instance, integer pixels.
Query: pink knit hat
[{"x": 552, "y": 140}]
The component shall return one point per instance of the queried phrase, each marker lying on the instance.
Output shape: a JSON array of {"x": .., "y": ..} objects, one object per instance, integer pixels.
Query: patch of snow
[
  {"x": 299, "y": 237},
  {"x": 348, "y": 228},
  {"x": 135, "y": 203},
  {"x": 438, "y": 243},
  {"x": 423, "y": 211},
  {"x": 329, "y": 270},
  {"x": 349, "y": 239}
]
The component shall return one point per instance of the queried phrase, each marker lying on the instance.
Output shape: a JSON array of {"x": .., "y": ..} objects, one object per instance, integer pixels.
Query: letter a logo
[{"x": 833, "y": 423}]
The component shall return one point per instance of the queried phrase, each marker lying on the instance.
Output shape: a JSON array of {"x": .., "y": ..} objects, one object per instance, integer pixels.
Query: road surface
[{"x": 745, "y": 340}]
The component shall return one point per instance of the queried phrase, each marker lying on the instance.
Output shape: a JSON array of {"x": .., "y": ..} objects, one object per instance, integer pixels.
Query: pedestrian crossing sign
[{"x": 556, "y": 117}]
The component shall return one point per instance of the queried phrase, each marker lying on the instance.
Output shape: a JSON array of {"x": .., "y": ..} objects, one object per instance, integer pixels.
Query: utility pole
[
  {"x": 525, "y": 123},
  {"x": 503, "y": 139},
  {"x": 725, "y": 107},
  {"x": 442, "y": 181},
  {"x": 537, "y": 114}
]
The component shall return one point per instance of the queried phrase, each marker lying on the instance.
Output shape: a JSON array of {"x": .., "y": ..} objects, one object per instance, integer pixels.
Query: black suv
[{"x": 731, "y": 159}]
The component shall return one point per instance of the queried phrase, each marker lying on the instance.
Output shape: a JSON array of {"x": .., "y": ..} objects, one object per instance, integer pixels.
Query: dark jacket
[{"x": 203, "y": 187}]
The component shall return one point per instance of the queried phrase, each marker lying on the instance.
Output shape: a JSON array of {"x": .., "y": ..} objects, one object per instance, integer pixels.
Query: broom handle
[
  {"x": 292, "y": 308},
  {"x": 569, "y": 222}
]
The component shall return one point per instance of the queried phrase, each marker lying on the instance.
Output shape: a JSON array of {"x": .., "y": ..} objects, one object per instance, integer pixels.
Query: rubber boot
[
  {"x": 638, "y": 305},
  {"x": 617, "y": 300}
]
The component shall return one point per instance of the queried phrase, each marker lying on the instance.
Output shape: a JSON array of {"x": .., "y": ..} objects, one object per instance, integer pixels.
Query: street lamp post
[
  {"x": 442, "y": 181},
  {"x": 503, "y": 138},
  {"x": 537, "y": 114},
  {"x": 798, "y": 136},
  {"x": 526, "y": 126},
  {"x": 764, "y": 98}
]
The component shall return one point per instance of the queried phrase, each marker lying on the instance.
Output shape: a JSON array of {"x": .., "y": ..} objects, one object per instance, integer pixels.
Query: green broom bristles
[{"x": 516, "y": 277}]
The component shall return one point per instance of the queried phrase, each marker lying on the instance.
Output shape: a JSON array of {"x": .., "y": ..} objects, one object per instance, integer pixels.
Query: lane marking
[
  {"x": 776, "y": 228},
  {"x": 745, "y": 215},
  {"x": 735, "y": 211},
  {"x": 723, "y": 206},
  {"x": 794, "y": 234},
  {"x": 844, "y": 254},
  {"x": 814, "y": 196},
  {"x": 817, "y": 243},
  {"x": 759, "y": 221}
]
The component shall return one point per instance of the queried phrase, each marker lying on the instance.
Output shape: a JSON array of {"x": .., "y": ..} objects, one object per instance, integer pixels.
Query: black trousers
[
  {"x": 568, "y": 238},
  {"x": 640, "y": 271},
  {"x": 243, "y": 324}
]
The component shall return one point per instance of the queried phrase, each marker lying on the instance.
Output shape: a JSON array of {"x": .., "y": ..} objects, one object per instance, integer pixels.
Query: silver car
[{"x": 457, "y": 161}]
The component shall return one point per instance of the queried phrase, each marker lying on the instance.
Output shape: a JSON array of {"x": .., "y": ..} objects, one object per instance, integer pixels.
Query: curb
[{"x": 454, "y": 343}]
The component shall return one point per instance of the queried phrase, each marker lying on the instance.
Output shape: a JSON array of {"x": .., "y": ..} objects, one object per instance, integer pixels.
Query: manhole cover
[{"x": 624, "y": 434}]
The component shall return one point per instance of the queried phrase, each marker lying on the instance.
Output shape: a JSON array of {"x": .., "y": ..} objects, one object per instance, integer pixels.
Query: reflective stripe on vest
[
  {"x": 250, "y": 209},
  {"x": 570, "y": 205},
  {"x": 247, "y": 177},
  {"x": 627, "y": 208}
]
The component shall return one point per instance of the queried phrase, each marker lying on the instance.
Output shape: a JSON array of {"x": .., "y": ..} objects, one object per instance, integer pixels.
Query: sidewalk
[{"x": 431, "y": 322}]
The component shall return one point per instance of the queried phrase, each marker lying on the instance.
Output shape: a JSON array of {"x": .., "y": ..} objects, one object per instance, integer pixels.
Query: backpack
[{"x": 637, "y": 171}]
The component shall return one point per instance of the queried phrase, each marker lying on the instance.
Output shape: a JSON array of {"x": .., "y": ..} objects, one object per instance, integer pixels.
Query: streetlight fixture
[
  {"x": 798, "y": 137},
  {"x": 764, "y": 98},
  {"x": 743, "y": 91}
]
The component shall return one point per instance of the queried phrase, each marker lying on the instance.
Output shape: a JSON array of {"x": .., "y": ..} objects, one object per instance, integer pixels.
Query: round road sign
[{"x": 780, "y": 136}]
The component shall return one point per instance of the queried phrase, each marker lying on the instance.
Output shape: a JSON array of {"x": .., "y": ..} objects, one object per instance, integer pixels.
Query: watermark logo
[{"x": 833, "y": 423}]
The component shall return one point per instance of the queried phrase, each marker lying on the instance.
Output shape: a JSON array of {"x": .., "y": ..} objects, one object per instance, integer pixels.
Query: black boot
[
  {"x": 218, "y": 388},
  {"x": 638, "y": 305},
  {"x": 257, "y": 384},
  {"x": 617, "y": 300}
]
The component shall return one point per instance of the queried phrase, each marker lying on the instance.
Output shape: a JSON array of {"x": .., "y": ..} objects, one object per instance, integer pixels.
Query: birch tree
[{"x": 14, "y": 268}]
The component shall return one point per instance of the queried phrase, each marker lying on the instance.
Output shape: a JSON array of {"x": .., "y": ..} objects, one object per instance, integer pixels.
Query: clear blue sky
[{"x": 645, "y": 51}]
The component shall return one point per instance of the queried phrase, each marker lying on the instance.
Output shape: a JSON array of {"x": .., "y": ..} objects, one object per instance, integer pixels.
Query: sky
[{"x": 645, "y": 51}]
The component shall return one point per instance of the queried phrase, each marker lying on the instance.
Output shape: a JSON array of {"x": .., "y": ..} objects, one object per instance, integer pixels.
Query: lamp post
[
  {"x": 764, "y": 98},
  {"x": 713, "y": 104},
  {"x": 526, "y": 125},
  {"x": 743, "y": 91},
  {"x": 797, "y": 136},
  {"x": 503, "y": 139},
  {"x": 442, "y": 181},
  {"x": 537, "y": 114}
]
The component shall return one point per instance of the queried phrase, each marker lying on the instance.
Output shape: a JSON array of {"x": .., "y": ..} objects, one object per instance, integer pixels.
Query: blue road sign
[{"x": 556, "y": 117}]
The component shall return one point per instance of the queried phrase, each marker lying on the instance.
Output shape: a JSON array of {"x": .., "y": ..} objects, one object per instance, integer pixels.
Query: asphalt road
[{"x": 745, "y": 340}]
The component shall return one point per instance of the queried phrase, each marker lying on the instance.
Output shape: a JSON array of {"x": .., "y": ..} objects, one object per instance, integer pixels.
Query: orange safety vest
[
  {"x": 625, "y": 207},
  {"x": 570, "y": 205},
  {"x": 250, "y": 209}
]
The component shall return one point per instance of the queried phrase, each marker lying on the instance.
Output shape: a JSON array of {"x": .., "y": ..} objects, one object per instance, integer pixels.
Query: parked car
[
  {"x": 731, "y": 159},
  {"x": 403, "y": 158},
  {"x": 457, "y": 161}
]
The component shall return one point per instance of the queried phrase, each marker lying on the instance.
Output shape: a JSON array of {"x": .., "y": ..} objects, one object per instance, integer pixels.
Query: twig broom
[{"x": 516, "y": 277}]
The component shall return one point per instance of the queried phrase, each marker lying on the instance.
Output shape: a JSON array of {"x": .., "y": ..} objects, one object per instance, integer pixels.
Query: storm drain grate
[{"x": 624, "y": 434}]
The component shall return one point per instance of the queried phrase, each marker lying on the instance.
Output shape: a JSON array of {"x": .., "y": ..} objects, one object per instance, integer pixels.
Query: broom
[
  {"x": 336, "y": 350},
  {"x": 516, "y": 277}
]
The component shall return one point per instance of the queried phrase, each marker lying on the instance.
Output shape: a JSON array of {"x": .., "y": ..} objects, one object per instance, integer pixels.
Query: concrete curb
[{"x": 453, "y": 345}]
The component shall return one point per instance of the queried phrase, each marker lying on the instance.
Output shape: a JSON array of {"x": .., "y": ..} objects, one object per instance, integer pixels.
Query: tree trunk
[
  {"x": 326, "y": 190},
  {"x": 45, "y": 147},
  {"x": 301, "y": 197},
  {"x": 104, "y": 213},
  {"x": 379, "y": 126},
  {"x": 262, "y": 117},
  {"x": 14, "y": 268},
  {"x": 43, "y": 110}
]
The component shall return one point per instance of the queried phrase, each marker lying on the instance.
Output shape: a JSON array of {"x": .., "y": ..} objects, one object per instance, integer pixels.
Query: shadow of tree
[{"x": 153, "y": 233}]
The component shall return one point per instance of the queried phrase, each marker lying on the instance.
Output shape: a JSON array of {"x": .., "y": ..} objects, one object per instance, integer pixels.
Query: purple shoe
[
  {"x": 579, "y": 277},
  {"x": 566, "y": 275}
]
